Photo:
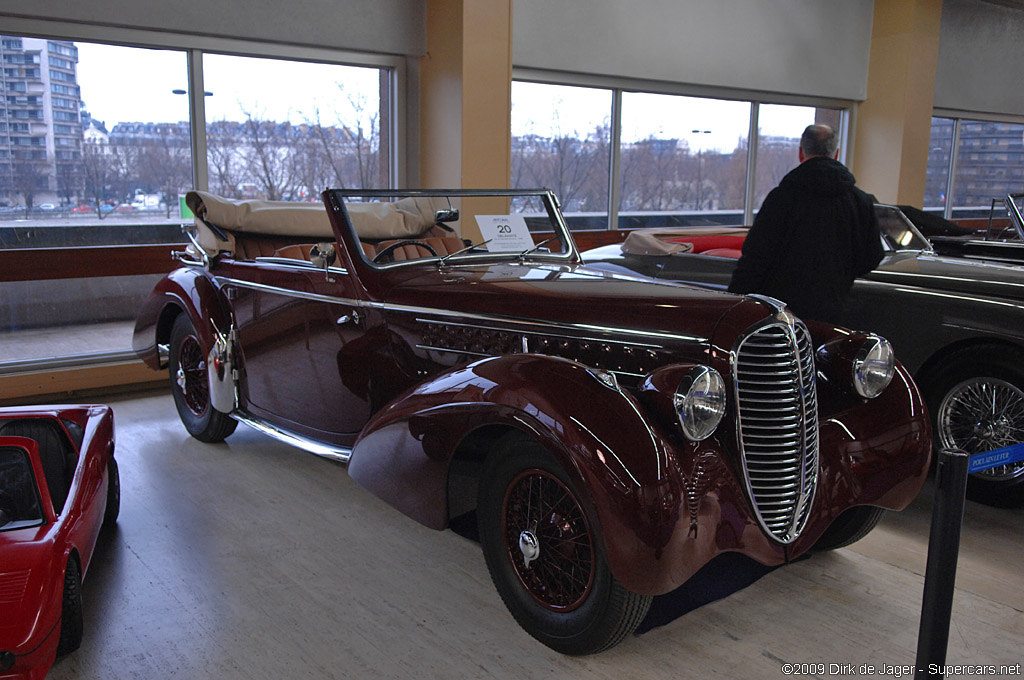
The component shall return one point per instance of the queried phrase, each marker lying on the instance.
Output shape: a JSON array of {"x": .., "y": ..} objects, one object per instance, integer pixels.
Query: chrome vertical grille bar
[{"x": 778, "y": 415}]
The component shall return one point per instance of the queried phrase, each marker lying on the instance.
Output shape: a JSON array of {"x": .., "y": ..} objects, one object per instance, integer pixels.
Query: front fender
[
  {"x": 599, "y": 434},
  {"x": 188, "y": 290}
]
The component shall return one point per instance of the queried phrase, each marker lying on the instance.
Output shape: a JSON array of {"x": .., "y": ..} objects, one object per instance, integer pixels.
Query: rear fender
[
  {"x": 600, "y": 435},
  {"x": 192, "y": 292}
]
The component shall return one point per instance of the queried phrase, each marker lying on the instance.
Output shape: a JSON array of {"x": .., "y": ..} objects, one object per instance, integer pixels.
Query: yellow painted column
[
  {"x": 893, "y": 125},
  {"x": 466, "y": 99}
]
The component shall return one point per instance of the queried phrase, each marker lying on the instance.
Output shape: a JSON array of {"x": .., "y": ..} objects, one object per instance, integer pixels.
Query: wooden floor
[{"x": 251, "y": 559}]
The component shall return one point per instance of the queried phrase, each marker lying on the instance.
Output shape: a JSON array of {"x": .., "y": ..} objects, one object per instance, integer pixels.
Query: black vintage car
[
  {"x": 1002, "y": 240},
  {"x": 956, "y": 322}
]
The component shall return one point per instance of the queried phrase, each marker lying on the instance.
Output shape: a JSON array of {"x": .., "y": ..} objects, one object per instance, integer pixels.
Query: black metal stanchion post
[{"x": 940, "y": 572}]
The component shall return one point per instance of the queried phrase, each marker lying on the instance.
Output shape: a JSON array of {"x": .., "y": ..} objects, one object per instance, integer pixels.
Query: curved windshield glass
[{"x": 898, "y": 232}]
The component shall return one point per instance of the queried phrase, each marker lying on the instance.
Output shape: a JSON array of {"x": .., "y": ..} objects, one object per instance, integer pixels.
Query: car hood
[
  {"x": 577, "y": 296},
  {"x": 952, "y": 274}
]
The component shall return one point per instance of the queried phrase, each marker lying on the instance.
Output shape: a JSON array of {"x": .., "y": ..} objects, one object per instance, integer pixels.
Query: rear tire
[
  {"x": 976, "y": 400},
  {"x": 113, "y": 508},
  {"x": 191, "y": 388},
  {"x": 71, "y": 625},
  {"x": 544, "y": 556},
  {"x": 851, "y": 526}
]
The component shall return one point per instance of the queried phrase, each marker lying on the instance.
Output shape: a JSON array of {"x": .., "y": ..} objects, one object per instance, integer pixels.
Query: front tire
[
  {"x": 851, "y": 526},
  {"x": 977, "y": 404},
  {"x": 542, "y": 552},
  {"x": 191, "y": 388}
]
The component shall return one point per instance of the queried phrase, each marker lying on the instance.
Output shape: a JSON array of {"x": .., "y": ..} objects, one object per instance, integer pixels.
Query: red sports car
[{"x": 58, "y": 486}]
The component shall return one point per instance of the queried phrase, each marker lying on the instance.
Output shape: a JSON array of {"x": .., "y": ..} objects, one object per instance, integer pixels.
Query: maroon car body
[
  {"x": 453, "y": 380},
  {"x": 58, "y": 486}
]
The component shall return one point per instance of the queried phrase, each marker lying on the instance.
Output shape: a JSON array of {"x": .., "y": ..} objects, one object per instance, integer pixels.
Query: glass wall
[
  {"x": 677, "y": 160},
  {"x": 988, "y": 163},
  {"x": 560, "y": 141},
  {"x": 96, "y": 150},
  {"x": 320, "y": 126},
  {"x": 683, "y": 160}
]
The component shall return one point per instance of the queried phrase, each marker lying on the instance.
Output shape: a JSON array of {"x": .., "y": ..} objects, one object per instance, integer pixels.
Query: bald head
[{"x": 818, "y": 140}]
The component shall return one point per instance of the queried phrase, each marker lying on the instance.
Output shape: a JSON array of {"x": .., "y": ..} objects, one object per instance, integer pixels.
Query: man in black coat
[{"x": 814, "y": 234}]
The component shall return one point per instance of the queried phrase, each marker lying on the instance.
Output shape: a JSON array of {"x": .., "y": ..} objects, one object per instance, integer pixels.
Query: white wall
[
  {"x": 981, "y": 58},
  {"x": 381, "y": 26},
  {"x": 807, "y": 47}
]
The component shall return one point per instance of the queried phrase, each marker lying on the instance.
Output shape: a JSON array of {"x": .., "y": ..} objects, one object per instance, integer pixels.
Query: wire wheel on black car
[
  {"x": 541, "y": 547},
  {"x": 977, "y": 405},
  {"x": 71, "y": 625},
  {"x": 191, "y": 388}
]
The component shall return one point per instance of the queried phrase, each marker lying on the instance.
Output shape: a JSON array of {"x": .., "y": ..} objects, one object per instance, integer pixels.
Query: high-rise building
[{"x": 40, "y": 129}]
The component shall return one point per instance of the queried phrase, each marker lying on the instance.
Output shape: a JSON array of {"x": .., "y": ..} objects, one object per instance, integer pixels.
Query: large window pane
[
  {"x": 560, "y": 141},
  {"x": 284, "y": 130},
  {"x": 684, "y": 160},
  {"x": 779, "y": 129},
  {"x": 940, "y": 150},
  {"x": 96, "y": 151},
  {"x": 95, "y": 137},
  {"x": 989, "y": 164}
]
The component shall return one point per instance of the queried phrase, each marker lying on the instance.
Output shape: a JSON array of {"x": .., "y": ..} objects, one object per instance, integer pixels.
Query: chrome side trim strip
[
  {"x": 287, "y": 292},
  {"x": 540, "y": 326},
  {"x": 342, "y": 454},
  {"x": 533, "y": 332}
]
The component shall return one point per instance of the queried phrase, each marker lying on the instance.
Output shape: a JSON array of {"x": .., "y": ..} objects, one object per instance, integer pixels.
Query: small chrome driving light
[
  {"x": 873, "y": 367},
  {"x": 700, "y": 402}
]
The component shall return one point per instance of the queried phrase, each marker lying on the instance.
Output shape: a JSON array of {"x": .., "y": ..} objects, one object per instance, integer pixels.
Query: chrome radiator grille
[{"x": 778, "y": 419}]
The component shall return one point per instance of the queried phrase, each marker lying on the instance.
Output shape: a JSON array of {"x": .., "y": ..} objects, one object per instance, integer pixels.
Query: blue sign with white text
[{"x": 991, "y": 459}]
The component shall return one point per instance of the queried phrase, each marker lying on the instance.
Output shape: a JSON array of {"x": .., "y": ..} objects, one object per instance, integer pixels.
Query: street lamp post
[{"x": 700, "y": 166}]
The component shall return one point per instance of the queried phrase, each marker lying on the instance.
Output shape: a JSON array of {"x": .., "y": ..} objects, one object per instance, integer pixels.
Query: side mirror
[
  {"x": 449, "y": 215},
  {"x": 323, "y": 255}
]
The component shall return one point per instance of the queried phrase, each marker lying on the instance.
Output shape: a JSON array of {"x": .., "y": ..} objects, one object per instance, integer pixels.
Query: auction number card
[{"x": 505, "y": 233}]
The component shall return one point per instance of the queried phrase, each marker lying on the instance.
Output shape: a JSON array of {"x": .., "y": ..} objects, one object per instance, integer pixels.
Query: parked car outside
[
  {"x": 956, "y": 323},
  {"x": 59, "y": 485},
  {"x": 612, "y": 434}
]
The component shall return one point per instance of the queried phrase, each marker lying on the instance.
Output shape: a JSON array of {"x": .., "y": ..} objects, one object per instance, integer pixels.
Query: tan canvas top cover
[
  {"x": 404, "y": 218},
  {"x": 652, "y": 241}
]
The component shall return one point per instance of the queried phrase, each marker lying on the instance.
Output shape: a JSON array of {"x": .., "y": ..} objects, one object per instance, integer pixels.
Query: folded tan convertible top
[{"x": 404, "y": 218}]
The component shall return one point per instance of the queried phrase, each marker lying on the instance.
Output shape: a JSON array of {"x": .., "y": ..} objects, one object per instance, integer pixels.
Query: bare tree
[
  {"x": 30, "y": 177},
  {"x": 266, "y": 147}
]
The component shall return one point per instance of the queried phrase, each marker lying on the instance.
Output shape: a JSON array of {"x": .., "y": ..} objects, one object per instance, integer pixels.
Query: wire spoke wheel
[
  {"x": 543, "y": 547},
  {"x": 190, "y": 385},
  {"x": 548, "y": 540},
  {"x": 191, "y": 375},
  {"x": 983, "y": 414}
]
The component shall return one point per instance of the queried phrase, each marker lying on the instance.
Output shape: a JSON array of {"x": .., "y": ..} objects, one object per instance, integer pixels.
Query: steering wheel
[{"x": 398, "y": 244}]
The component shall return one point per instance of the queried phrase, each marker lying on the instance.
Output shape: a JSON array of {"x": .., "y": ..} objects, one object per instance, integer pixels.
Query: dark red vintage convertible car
[
  {"x": 58, "y": 486},
  {"x": 612, "y": 434}
]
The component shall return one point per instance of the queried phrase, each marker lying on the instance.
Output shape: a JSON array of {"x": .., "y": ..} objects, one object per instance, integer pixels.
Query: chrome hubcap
[{"x": 529, "y": 546}]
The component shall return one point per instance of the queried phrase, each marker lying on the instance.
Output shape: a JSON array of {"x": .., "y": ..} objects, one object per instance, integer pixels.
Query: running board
[{"x": 338, "y": 453}]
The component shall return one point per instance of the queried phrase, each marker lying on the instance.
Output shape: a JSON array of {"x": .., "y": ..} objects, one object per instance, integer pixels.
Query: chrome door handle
[{"x": 354, "y": 317}]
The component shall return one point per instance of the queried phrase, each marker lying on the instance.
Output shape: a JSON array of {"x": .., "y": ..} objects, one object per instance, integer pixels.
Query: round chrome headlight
[
  {"x": 873, "y": 367},
  {"x": 700, "y": 402}
]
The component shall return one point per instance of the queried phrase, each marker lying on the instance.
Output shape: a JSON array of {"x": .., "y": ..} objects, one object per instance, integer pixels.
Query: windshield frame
[
  {"x": 890, "y": 242},
  {"x": 340, "y": 198}
]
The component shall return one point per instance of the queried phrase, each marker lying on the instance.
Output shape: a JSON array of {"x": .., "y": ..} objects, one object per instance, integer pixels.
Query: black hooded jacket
[{"x": 814, "y": 234}]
